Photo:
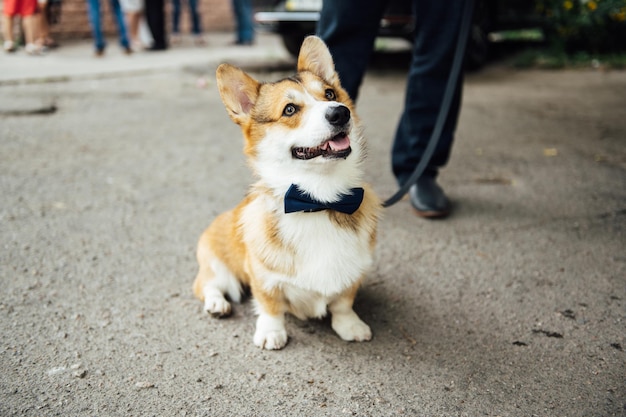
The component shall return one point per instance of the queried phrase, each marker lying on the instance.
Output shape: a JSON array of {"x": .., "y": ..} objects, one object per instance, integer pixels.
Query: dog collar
[{"x": 296, "y": 201}]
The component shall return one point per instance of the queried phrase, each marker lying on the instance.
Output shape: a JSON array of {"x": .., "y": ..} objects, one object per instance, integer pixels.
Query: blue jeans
[
  {"x": 243, "y": 15},
  {"x": 349, "y": 28},
  {"x": 196, "y": 27},
  {"x": 96, "y": 23}
]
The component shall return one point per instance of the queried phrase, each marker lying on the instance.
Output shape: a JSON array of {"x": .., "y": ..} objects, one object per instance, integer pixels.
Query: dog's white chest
[{"x": 328, "y": 258}]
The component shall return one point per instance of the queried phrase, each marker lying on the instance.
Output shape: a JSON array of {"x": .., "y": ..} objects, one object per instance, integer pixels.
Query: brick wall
[{"x": 216, "y": 16}]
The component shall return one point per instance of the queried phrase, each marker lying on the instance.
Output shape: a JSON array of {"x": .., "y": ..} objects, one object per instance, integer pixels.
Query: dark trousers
[
  {"x": 196, "y": 23},
  {"x": 349, "y": 28},
  {"x": 245, "y": 21},
  {"x": 155, "y": 16}
]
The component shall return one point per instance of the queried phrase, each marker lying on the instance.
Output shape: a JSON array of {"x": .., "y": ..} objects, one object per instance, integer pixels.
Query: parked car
[{"x": 293, "y": 20}]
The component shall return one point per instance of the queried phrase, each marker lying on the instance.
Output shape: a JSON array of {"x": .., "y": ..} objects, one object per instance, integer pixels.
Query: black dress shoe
[{"x": 428, "y": 199}]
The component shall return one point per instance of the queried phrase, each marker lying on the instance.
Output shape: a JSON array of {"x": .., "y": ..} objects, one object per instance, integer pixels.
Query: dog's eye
[
  {"x": 330, "y": 95},
  {"x": 290, "y": 109}
]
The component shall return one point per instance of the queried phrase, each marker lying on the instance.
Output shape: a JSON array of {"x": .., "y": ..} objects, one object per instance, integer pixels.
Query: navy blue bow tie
[{"x": 296, "y": 200}]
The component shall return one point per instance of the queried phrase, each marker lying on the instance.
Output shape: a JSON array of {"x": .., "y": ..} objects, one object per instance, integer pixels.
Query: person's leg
[
  {"x": 44, "y": 29},
  {"x": 133, "y": 19},
  {"x": 116, "y": 9},
  {"x": 93, "y": 10},
  {"x": 349, "y": 28},
  {"x": 437, "y": 26},
  {"x": 175, "y": 17},
  {"x": 246, "y": 25},
  {"x": 238, "y": 10},
  {"x": 155, "y": 16},
  {"x": 196, "y": 23},
  {"x": 29, "y": 24},
  {"x": 7, "y": 33}
]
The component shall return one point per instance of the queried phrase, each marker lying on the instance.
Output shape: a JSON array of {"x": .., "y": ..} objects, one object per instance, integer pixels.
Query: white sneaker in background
[{"x": 9, "y": 46}]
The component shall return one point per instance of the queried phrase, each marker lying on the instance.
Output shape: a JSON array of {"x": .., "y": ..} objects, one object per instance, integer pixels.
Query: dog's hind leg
[
  {"x": 213, "y": 282},
  {"x": 221, "y": 282}
]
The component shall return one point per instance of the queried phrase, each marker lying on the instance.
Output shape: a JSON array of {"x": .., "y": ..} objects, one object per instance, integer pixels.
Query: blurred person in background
[
  {"x": 155, "y": 16},
  {"x": 244, "y": 20},
  {"x": 48, "y": 14},
  {"x": 134, "y": 12},
  {"x": 27, "y": 10},
  {"x": 196, "y": 22},
  {"x": 95, "y": 19}
]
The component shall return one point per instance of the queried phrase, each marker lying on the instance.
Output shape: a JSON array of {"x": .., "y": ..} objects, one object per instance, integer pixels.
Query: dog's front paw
[
  {"x": 217, "y": 306},
  {"x": 351, "y": 328},
  {"x": 270, "y": 332},
  {"x": 272, "y": 340}
]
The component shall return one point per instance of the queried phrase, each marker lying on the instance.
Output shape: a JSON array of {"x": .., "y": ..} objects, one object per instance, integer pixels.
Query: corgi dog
[{"x": 303, "y": 237}]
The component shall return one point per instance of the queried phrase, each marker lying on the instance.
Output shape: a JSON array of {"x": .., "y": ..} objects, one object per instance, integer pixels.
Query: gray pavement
[
  {"x": 110, "y": 169},
  {"x": 75, "y": 59}
]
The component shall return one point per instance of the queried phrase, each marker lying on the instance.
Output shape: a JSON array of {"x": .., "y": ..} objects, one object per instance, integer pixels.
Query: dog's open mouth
[{"x": 336, "y": 147}]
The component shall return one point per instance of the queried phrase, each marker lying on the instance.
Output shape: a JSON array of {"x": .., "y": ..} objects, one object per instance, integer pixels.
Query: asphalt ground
[{"x": 111, "y": 167}]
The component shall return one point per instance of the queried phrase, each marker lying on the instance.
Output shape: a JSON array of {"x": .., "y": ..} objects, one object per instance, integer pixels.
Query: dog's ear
[
  {"x": 315, "y": 57},
  {"x": 238, "y": 90}
]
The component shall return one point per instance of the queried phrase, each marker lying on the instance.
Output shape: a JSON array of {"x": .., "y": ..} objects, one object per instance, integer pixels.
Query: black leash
[{"x": 455, "y": 71}]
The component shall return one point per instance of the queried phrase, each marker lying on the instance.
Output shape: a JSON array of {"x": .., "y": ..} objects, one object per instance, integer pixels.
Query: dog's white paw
[
  {"x": 217, "y": 306},
  {"x": 272, "y": 340},
  {"x": 270, "y": 332},
  {"x": 351, "y": 328}
]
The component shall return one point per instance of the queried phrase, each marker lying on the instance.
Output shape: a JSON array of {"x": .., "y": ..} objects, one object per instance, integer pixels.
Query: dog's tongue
[{"x": 338, "y": 143}]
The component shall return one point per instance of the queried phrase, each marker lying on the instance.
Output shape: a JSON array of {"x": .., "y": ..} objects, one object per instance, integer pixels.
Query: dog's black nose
[{"x": 338, "y": 115}]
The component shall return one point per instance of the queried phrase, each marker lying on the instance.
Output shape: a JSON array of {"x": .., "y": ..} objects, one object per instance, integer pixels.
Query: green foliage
[
  {"x": 593, "y": 26},
  {"x": 552, "y": 58}
]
